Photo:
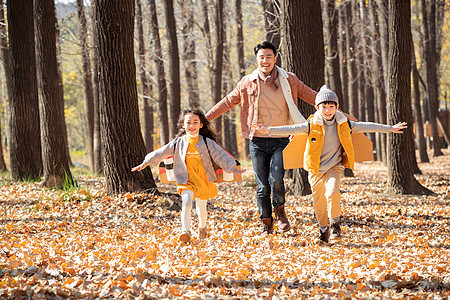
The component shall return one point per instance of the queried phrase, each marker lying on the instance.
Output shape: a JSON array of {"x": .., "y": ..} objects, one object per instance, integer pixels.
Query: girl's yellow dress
[{"x": 198, "y": 181}]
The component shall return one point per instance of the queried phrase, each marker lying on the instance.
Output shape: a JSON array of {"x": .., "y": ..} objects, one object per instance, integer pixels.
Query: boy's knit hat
[{"x": 325, "y": 94}]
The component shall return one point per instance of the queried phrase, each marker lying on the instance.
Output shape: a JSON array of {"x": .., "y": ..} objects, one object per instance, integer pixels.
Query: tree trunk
[
  {"x": 51, "y": 101},
  {"x": 429, "y": 33},
  {"x": 146, "y": 86},
  {"x": 384, "y": 39},
  {"x": 272, "y": 25},
  {"x": 229, "y": 125},
  {"x": 241, "y": 63},
  {"x": 351, "y": 59},
  {"x": 400, "y": 169},
  {"x": 174, "y": 67},
  {"x": 25, "y": 137},
  {"x": 304, "y": 55},
  {"x": 209, "y": 48},
  {"x": 418, "y": 120},
  {"x": 330, "y": 17},
  {"x": 122, "y": 142},
  {"x": 343, "y": 73},
  {"x": 359, "y": 43},
  {"x": 218, "y": 63},
  {"x": 87, "y": 75},
  {"x": 161, "y": 74},
  {"x": 6, "y": 67},
  {"x": 189, "y": 54},
  {"x": 97, "y": 143}
]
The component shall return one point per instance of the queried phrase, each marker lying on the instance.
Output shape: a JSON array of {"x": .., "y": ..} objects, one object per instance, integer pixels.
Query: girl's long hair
[{"x": 207, "y": 129}]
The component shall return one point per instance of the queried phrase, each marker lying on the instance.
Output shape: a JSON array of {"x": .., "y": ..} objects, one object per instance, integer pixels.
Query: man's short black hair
[{"x": 266, "y": 45}]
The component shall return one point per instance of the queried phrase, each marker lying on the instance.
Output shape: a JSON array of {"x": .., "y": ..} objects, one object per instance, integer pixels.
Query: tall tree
[
  {"x": 146, "y": 86},
  {"x": 218, "y": 61},
  {"x": 241, "y": 60},
  {"x": 87, "y": 76},
  {"x": 189, "y": 53},
  {"x": 418, "y": 120},
  {"x": 351, "y": 61},
  {"x": 6, "y": 63},
  {"x": 330, "y": 23},
  {"x": 161, "y": 75},
  {"x": 122, "y": 142},
  {"x": 97, "y": 143},
  {"x": 174, "y": 66},
  {"x": 272, "y": 26},
  {"x": 429, "y": 33},
  {"x": 51, "y": 102},
  {"x": 341, "y": 8},
  {"x": 304, "y": 55},
  {"x": 400, "y": 147},
  {"x": 25, "y": 141}
]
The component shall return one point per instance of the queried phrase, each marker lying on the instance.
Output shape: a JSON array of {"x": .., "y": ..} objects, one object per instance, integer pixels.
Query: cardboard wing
[{"x": 294, "y": 151}]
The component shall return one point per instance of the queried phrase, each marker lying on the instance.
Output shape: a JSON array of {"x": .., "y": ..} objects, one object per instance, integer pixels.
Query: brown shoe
[
  {"x": 282, "y": 220},
  {"x": 185, "y": 236},
  {"x": 202, "y": 233},
  {"x": 267, "y": 226}
]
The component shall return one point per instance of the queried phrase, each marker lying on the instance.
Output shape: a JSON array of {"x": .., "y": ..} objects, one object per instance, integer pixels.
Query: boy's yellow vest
[{"x": 315, "y": 142}]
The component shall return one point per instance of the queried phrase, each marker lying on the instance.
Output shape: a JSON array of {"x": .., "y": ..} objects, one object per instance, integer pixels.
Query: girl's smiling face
[
  {"x": 327, "y": 110},
  {"x": 192, "y": 124}
]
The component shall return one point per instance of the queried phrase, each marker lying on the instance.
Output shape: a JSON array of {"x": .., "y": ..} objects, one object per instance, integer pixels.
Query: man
[{"x": 268, "y": 96}]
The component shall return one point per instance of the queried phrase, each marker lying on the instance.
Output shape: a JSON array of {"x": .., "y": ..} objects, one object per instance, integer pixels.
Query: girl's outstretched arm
[
  {"x": 397, "y": 128},
  {"x": 139, "y": 168}
]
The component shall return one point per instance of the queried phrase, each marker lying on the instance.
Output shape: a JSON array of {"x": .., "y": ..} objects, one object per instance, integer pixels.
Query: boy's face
[
  {"x": 327, "y": 110},
  {"x": 192, "y": 124},
  {"x": 266, "y": 60}
]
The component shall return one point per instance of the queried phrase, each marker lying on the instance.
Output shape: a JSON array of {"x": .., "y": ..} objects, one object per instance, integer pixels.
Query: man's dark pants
[{"x": 267, "y": 160}]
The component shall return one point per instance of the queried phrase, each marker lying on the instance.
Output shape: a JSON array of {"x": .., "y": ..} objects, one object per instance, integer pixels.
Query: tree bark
[
  {"x": 174, "y": 67},
  {"x": 218, "y": 65},
  {"x": 272, "y": 26},
  {"x": 418, "y": 120},
  {"x": 429, "y": 32},
  {"x": 122, "y": 142},
  {"x": 51, "y": 102},
  {"x": 97, "y": 143},
  {"x": 241, "y": 63},
  {"x": 304, "y": 55},
  {"x": 146, "y": 86},
  {"x": 6, "y": 66},
  {"x": 351, "y": 60},
  {"x": 161, "y": 74},
  {"x": 87, "y": 76},
  {"x": 25, "y": 137},
  {"x": 343, "y": 102},
  {"x": 400, "y": 168},
  {"x": 330, "y": 22},
  {"x": 189, "y": 54}
]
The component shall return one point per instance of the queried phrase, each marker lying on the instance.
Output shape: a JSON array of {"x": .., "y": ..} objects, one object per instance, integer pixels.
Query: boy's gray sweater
[{"x": 331, "y": 154}]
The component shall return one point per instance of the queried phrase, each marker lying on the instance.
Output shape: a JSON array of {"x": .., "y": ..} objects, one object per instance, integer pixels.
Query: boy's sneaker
[
  {"x": 202, "y": 233},
  {"x": 185, "y": 236},
  {"x": 336, "y": 229},
  {"x": 324, "y": 237}
]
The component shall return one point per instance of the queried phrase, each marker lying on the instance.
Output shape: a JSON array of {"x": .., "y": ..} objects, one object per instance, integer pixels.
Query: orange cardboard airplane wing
[{"x": 294, "y": 151}]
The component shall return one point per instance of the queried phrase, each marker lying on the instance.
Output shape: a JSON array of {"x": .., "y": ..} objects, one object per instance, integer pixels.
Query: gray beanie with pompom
[{"x": 325, "y": 94}]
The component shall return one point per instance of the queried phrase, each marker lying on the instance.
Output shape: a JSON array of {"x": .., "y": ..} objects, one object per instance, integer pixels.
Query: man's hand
[
  {"x": 397, "y": 128},
  {"x": 239, "y": 172},
  {"x": 260, "y": 128}
]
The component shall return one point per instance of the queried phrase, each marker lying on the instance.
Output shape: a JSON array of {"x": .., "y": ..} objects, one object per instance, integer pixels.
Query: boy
[{"x": 328, "y": 151}]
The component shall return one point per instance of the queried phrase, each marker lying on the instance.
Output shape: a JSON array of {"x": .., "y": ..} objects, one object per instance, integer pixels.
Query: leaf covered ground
[{"x": 82, "y": 244}]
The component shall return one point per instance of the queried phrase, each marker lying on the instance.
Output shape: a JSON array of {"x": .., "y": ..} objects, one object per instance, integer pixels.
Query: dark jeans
[{"x": 267, "y": 160}]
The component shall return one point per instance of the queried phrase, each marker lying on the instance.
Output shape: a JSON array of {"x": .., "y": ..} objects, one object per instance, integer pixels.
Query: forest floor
[{"x": 82, "y": 244}]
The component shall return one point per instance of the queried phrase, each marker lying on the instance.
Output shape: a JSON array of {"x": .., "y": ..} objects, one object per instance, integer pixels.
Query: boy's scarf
[{"x": 270, "y": 79}]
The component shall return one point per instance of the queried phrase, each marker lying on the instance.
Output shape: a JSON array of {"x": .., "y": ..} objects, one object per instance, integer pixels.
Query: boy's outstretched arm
[
  {"x": 261, "y": 128},
  {"x": 397, "y": 128}
]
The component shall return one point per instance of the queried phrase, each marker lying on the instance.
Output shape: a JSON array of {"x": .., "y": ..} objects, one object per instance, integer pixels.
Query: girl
[{"x": 193, "y": 150}]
